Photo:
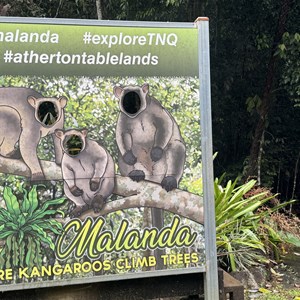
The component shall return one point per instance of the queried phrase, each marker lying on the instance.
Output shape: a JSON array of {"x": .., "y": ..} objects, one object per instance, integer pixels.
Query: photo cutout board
[{"x": 100, "y": 154}]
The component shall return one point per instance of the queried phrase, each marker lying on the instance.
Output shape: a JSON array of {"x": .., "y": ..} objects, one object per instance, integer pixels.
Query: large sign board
[{"x": 100, "y": 154}]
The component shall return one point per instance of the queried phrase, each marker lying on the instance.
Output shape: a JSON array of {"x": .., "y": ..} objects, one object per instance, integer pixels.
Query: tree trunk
[
  {"x": 295, "y": 181},
  {"x": 266, "y": 99},
  {"x": 4, "y": 9},
  {"x": 99, "y": 10}
]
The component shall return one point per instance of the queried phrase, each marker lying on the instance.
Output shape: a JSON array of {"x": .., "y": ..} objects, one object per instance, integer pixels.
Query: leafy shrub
[{"x": 243, "y": 233}]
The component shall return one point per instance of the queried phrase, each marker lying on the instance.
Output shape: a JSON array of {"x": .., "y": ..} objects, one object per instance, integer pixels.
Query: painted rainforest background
[{"x": 32, "y": 216}]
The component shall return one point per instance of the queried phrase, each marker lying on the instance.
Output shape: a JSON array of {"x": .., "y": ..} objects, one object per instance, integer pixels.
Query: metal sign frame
[{"x": 210, "y": 267}]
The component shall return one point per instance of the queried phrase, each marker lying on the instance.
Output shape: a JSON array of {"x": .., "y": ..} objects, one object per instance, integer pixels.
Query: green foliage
[
  {"x": 279, "y": 293},
  {"x": 193, "y": 185},
  {"x": 253, "y": 103},
  {"x": 290, "y": 238},
  {"x": 241, "y": 49},
  {"x": 166, "y": 10},
  {"x": 289, "y": 52},
  {"x": 240, "y": 241},
  {"x": 279, "y": 231},
  {"x": 169, "y": 10},
  {"x": 236, "y": 224},
  {"x": 26, "y": 228},
  {"x": 53, "y": 8}
]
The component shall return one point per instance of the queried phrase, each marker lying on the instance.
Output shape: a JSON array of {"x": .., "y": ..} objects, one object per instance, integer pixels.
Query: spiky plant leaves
[
  {"x": 25, "y": 227},
  {"x": 239, "y": 223}
]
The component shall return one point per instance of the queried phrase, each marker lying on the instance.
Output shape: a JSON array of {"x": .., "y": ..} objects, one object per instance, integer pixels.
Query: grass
[{"x": 278, "y": 293}]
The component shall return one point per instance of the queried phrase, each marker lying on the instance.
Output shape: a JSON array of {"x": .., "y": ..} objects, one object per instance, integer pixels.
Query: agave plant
[
  {"x": 26, "y": 227},
  {"x": 239, "y": 224}
]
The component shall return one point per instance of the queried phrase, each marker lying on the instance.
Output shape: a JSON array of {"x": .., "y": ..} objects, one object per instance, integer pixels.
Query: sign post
[
  {"x": 106, "y": 155},
  {"x": 211, "y": 277}
]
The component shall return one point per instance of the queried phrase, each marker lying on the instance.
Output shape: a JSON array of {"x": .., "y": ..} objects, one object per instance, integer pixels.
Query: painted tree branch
[
  {"x": 136, "y": 194},
  {"x": 148, "y": 194}
]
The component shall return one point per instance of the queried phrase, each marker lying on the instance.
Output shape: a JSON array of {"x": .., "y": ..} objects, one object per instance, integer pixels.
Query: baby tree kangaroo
[
  {"x": 25, "y": 117},
  {"x": 87, "y": 169}
]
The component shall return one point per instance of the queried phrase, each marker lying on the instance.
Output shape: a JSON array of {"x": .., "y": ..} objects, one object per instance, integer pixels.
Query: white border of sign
[{"x": 210, "y": 268}]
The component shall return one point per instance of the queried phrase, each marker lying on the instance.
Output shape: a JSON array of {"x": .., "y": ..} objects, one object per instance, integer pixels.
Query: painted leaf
[
  {"x": 51, "y": 202},
  {"x": 6, "y": 233},
  {"x": 41, "y": 215},
  {"x": 42, "y": 236},
  {"x": 8, "y": 250},
  {"x": 30, "y": 251},
  {"x": 21, "y": 236},
  {"x": 26, "y": 203},
  {"x": 21, "y": 220},
  {"x": 22, "y": 254},
  {"x": 2, "y": 260},
  {"x": 12, "y": 225},
  {"x": 15, "y": 250},
  {"x": 38, "y": 257},
  {"x": 5, "y": 216},
  {"x": 62, "y": 213},
  {"x": 32, "y": 198},
  {"x": 47, "y": 240},
  {"x": 11, "y": 202},
  {"x": 54, "y": 226},
  {"x": 264, "y": 291}
]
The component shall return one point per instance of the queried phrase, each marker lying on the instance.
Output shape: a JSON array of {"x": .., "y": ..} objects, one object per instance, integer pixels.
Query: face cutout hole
[
  {"x": 131, "y": 103},
  {"x": 47, "y": 113},
  {"x": 73, "y": 145}
]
